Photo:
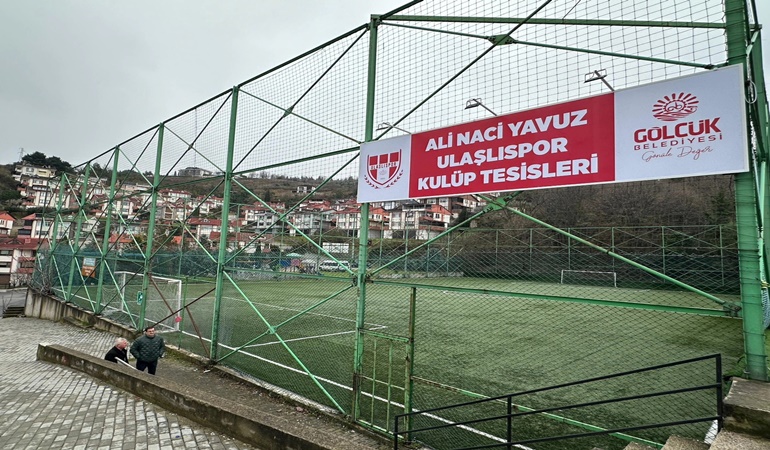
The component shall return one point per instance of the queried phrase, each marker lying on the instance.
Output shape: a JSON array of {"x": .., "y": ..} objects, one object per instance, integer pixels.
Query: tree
[
  {"x": 560, "y": 207},
  {"x": 9, "y": 195},
  {"x": 462, "y": 216},
  {"x": 722, "y": 209},
  {"x": 56, "y": 163},
  {"x": 36, "y": 158},
  {"x": 40, "y": 159}
]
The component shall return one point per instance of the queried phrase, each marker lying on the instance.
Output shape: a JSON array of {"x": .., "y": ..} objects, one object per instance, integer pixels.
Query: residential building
[
  {"x": 418, "y": 220},
  {"x": 203, "y": 227},
  {"x": 348, "y": 220},
  {"x": 172, "y": 195},
  {"x": 6, "y": 224},
  {"x": 34, "y": 185},
  {"x": 17, "y": 260},
  {"x": 261, "y": 219},
  {"x": 304, "y": 189},
  {"x": 193, "y": 172}
]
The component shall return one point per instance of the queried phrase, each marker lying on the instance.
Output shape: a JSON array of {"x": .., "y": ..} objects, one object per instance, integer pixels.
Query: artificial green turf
[{"x": 480, "y": 342}]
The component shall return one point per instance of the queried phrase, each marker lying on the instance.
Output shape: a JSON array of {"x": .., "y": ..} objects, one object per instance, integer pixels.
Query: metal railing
[{"x": 508, "y": 441}]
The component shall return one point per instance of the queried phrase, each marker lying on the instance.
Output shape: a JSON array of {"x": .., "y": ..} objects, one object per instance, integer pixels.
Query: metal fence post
[
  {"x": 719, "y": 393},
  {"x": 151, "y": 226},
  {"x": 509, "y": 410},
  {"x": 107, "y": 231},
  {"x": 408, "y": 383},
  {"x": 363, "y": 236},
  {"x": 228, "y": 181},
  {"x": 747, "y": 219},
  {"x": 78, "y": 230}
]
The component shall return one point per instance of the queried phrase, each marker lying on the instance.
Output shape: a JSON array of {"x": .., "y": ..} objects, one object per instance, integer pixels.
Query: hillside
[{"x": 9, "y": 195}]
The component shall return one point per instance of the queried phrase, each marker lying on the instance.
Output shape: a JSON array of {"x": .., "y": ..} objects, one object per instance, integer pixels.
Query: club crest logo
[
  {"x": 675, "y": 107},
  {"x": 384, "y": 170}
]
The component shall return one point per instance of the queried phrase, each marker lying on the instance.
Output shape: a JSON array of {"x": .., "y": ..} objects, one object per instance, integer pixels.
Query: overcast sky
[{"x": 80, "y": 76}]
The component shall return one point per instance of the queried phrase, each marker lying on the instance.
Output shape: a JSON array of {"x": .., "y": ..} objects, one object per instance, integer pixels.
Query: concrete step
[
  {"x": 13, "y": 311},
  {"x": 747, "y": 408},
  {"x": 728, "y": 440},
  {"x": 680, "y": 443}
]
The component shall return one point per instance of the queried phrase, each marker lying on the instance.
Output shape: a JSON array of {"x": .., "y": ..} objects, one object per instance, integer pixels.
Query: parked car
[{"x": 333, "y": 266}]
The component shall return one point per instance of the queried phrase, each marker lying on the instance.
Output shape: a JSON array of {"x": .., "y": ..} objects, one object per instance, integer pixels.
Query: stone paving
[{"x": 43, "y": 406}]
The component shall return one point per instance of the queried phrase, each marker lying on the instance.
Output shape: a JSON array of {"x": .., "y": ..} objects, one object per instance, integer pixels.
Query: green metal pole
[
  {"x": 531, "y": 246},
  {"x": 78, "y": 229},
  {"x": 151, "y": 226},
  {"x": 225, "y": 226},
  {"x": 53, "y": 238},
  {"x": 748, "y": 222},
  {"x": 612, "y": 246},
  {"x": 762, "y": 126},
  {"x": 497, "y": 248},
  {"x": 448, "y": 255},
  {"x": 363, "y": 237},
  {"x": 57, "y": 216},
  {"x": 406, "y": 247},
  {"x": 107, "y": 232},
  {"x": 721, "y": 255},
  {"x": 758, "y": 78},
  {"x": 409, "y": 381},
  {"x": 663, "y": 246}
]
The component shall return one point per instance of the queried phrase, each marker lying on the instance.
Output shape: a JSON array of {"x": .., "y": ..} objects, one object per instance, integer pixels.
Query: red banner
[{"x": 564, "y": 144}]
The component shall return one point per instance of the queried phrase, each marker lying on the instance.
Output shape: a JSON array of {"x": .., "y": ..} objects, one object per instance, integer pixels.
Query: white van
[{"x": 328, "y": 265}]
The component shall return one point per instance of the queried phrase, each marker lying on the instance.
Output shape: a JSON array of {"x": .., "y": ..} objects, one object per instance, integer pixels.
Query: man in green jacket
[{"x": 147, "y": 349}]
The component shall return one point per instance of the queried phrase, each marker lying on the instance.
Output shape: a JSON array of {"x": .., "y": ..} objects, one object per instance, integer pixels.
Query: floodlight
[
  {"x": 386, "y": 126},
  {"x": 601, "y": 75},
  {"x": 474, "y": 102}
]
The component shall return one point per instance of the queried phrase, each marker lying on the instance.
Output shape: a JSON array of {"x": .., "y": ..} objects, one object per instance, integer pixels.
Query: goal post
[
  {"x": 589, "y": 277},
  {"x": 163, "y": 296}
]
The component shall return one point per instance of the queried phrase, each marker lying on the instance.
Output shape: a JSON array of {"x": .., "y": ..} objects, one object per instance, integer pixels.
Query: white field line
[
  {"x": 373, "y": 326},
  {"x": 343, "y": 319},
  {"x": 310, "y": 337},
  {"x": 160, "y": 325}
]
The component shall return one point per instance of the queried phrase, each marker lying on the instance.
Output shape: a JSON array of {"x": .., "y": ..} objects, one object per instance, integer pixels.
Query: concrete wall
[{"x": 43, "y": 306}]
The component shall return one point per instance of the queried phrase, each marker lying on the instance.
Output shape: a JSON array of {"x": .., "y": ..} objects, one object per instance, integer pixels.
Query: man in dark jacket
[
  {"x": 118, "y": 351},
  {"x": 147, "y": 349}
]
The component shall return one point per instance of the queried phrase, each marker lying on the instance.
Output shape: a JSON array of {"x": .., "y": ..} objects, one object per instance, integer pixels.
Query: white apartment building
[
  {"x": 17, "y": 260},
  {"x": 6, "y": 224},
  {"x": 34, "y": 185}
]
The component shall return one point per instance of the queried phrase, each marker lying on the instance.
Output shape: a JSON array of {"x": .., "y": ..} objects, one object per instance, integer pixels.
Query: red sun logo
[{"x": 675, "y": 107}]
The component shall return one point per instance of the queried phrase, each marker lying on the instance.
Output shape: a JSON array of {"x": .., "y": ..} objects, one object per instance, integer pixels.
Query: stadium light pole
[
  {"x": 388, "y": 126},
  {"x": 476, "y": 102}
]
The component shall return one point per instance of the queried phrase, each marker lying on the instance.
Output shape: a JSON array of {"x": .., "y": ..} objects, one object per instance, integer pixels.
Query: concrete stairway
[
  {"x": 746, "y": 426},
  {"x": 13, "y": 311}
]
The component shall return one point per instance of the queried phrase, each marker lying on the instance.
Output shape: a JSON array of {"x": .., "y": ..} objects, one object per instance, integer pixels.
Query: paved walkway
[{"x": 43, "y": 406}]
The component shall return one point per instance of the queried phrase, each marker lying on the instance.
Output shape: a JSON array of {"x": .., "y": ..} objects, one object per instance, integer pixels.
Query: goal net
[
  {"x": 589, "y": 277},
  {"x": 162, "y": 298}
]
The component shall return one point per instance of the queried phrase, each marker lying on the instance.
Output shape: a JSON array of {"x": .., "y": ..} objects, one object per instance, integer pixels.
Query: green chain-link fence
[{"x": 212, "y": 224}]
